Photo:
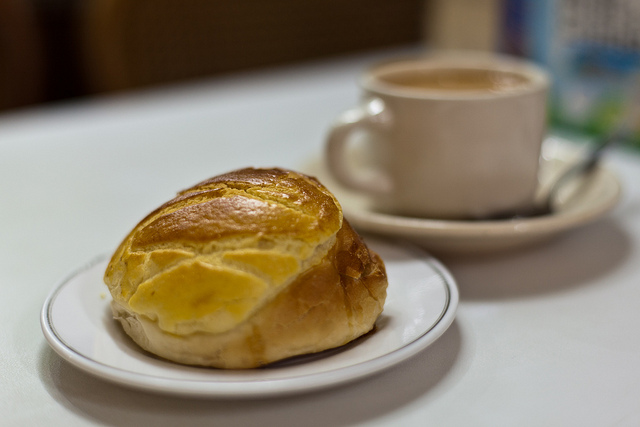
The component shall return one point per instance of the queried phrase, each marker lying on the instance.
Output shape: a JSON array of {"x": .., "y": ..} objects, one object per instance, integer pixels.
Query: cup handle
[{"x": 372, "y": 115}]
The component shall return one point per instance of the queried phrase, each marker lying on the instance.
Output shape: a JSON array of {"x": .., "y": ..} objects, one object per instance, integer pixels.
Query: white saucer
[
  {"x": 577, "y": 205},
  {"x": 421, "y": 304}
]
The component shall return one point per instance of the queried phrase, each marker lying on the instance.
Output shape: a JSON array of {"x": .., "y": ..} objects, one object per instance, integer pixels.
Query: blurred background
[{"x": 57, "y": 50}]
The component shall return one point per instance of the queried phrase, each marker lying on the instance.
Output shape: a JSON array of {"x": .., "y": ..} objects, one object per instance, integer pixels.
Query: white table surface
[{"x": 544, "y": 336}]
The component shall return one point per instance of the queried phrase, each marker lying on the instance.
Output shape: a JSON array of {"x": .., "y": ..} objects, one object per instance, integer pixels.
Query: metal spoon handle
[
  {"x": 620, "y": 132},
  {"x": 585, "y": 166}
]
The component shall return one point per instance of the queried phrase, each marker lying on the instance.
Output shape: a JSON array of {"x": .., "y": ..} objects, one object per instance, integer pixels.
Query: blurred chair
[
  {"x": 21, "y": 63},
  {"x": 129, "y": 44}
]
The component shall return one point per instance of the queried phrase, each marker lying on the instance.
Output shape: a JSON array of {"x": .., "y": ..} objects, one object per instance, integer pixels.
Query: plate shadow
[
  {"x": 110, "y": 404},
  {"x": 569, "y": 261}
]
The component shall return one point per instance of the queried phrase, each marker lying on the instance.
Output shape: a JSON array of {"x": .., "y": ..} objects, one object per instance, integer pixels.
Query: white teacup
[{"x": 451, "y": 136}]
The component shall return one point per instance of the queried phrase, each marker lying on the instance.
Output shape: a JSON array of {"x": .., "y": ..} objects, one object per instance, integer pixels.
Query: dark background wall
[{"x": 59, "y": 49}]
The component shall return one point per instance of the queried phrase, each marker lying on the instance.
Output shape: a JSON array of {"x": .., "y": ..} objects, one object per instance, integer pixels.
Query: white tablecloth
[{"x": 544, "y": 336}]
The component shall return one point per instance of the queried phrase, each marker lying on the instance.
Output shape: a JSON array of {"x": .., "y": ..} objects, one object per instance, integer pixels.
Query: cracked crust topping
[{"x": 239, "y": 236}]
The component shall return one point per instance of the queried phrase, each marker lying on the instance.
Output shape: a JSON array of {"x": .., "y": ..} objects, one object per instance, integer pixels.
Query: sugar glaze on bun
[{"x": 244, "y": 269}]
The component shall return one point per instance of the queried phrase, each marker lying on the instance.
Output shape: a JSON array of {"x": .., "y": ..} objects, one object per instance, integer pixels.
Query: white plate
[
  {"x": 421, "y": 304},
  {"x": 579, "y": 204}
]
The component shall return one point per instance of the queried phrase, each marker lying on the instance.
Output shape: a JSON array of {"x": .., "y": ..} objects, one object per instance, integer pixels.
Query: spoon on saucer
[
  {"x": 587, "y": 165},
  {"x": 580, "y": 170}
]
